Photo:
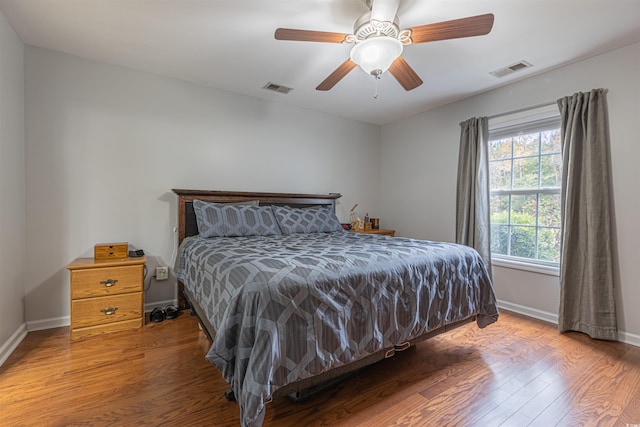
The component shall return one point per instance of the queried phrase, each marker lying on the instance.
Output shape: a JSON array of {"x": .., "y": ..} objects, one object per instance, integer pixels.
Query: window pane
[
  {"x": 549, "y": 244},
  {"x": 526, "y": 145},
  {"x": 500, "y": 149},
  {"x": 500, "y": 209},
  {"x": 551, "y": 141},
  {"x": 500, "y": 175},
  {"x": 551, "y": 170},
  {"x": 549, "y": 210},
  {"x": 499, "y": 239},
  {"x": 523, "y": 242},
  {"x": 525, "y": 167},
  {"x": 523, "y": 209},
  {"x": 525, "y": 173}
]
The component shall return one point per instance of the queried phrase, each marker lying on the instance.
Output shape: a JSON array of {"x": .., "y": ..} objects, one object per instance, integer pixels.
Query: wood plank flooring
[{"x": 517, "y": 372}]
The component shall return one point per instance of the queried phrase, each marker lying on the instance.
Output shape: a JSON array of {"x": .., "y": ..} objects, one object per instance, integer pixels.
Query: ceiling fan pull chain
[{"x": 376, "y": 77}]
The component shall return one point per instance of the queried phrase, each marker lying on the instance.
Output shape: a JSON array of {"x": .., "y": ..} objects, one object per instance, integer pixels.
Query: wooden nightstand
[
  {"x": 391, "y": 233},
  {"x": 106, "y": 295}
]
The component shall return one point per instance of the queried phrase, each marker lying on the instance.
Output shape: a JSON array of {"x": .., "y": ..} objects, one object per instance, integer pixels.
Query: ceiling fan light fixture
[{"x": 376, "y": 54}]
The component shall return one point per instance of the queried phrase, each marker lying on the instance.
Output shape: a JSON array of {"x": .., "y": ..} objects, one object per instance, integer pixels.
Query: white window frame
[{"x": 521, "y": 119}]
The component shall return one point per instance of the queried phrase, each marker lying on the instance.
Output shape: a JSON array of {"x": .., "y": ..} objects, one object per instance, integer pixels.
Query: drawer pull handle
[
  {"x": 108, "y": 311},
  {"x": 109, "y": 282}
]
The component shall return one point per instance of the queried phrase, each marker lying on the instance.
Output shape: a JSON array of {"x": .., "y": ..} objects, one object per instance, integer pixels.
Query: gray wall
[
  {"x": 12, "y": 190},
  {"x": 419, "y": 166},
  {"x": 105, "y": 146}
]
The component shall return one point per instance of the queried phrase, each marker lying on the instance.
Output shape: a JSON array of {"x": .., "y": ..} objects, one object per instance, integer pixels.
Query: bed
[{"x": 290, "y": 306}]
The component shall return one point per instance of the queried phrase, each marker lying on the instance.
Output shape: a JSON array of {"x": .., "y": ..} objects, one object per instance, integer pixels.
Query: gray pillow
[
  {"x": 309, "y": 220},
  {"x": 227, "y": 220}
]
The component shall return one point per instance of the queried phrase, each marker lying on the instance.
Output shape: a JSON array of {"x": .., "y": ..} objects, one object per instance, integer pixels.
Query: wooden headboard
[{"x": 188, "y": 226}]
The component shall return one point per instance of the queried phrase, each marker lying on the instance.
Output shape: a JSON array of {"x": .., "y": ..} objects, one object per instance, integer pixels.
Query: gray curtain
[
  {"x": 472, "y": 198},
  {"x": 587, "y": 301}
]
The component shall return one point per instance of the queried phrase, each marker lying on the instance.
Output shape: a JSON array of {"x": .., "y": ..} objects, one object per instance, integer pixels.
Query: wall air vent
[
  {"x": 520, "y": 65},
  {"x": 277, "y": 88}
]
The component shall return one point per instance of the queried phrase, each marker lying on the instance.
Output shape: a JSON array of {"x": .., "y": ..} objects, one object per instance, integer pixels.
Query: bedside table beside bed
[
  {"x": 381, "y": 231},
  {"x": 107, "y": 295}
]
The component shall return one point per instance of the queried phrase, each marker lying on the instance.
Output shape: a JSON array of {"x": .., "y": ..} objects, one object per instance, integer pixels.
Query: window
[{"x": 525, "y": 170}]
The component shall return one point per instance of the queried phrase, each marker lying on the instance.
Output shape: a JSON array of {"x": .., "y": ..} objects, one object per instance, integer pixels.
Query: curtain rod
[{"x": 495, "y": 116}]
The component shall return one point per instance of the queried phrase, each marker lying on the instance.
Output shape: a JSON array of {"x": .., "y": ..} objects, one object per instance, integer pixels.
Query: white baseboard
[
  {"x": 624, "y": 337},
  {"x": 628, "y": 338},
  {"x": 528, "y": 311},
  {"x": 56, "y": 322},
  {"x": 36, "y": 325},
  {"x": 10, "y": 345}
]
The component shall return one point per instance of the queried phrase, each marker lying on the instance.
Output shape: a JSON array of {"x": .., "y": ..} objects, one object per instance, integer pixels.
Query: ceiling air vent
[
  {"x": 277, "y": 88},
  {"x": 511, "y": 69}
]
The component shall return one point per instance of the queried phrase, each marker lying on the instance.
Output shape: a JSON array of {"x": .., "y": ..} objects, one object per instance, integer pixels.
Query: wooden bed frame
[{"x": 187, "y": 226}]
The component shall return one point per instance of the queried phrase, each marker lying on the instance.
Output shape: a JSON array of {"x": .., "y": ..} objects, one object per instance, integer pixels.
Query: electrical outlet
[{"x": 162, "y": 273}]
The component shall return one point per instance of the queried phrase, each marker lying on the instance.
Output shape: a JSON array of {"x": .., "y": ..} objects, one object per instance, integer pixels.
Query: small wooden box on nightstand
[
  {"x": 107, "y": 295},
  {"x": 111, "y": 250}
]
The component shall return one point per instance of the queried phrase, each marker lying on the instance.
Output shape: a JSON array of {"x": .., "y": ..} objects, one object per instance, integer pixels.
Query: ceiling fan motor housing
[{"x": 366, "y": 27}]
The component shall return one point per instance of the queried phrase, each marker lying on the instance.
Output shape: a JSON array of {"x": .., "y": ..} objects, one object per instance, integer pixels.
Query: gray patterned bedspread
[{"x": 288, "y": 307}]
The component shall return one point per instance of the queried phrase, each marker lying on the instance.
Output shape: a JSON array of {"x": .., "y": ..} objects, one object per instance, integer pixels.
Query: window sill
[{"x": 526, "y": 266}]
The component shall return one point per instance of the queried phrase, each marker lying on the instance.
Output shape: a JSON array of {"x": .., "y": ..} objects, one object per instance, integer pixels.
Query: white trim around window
[
  {"x": 551, "y": 269},
  {"x": 534, "y": 120}
]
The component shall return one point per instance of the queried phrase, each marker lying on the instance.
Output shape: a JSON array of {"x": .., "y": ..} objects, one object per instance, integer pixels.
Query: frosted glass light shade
[{"x": 375, "y": 55}]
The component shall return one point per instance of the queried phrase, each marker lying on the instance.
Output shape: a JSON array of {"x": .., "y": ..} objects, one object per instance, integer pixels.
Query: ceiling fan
[{"x": 379, "y": 41}]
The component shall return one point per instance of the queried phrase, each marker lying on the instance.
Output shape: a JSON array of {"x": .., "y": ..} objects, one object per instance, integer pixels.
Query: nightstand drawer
[
  {"x": 105, "y": 310},
  {"x": 106, "y": 281}
]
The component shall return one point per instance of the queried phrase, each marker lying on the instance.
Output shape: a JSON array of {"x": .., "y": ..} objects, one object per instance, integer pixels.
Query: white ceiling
[{"x": 230, "y": 44}]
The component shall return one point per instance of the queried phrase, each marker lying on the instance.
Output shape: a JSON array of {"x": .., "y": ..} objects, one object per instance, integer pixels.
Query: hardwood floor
[{"x": 516, "y": 372}]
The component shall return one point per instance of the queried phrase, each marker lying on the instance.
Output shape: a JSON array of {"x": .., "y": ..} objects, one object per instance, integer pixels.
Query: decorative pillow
[
  {"x": 231, "y": 220},
  {"x": 310, "y": 220}
]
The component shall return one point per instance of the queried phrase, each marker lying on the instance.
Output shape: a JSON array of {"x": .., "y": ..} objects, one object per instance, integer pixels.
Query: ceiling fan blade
[
  {"x": 404, "y": 74},
  {"x": 337, "y": 75},
  {"x": 384, "y": 10},
  {"x": 309, "y": 36},
  {"x": 457, "y": 28}
]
